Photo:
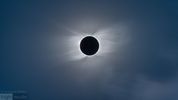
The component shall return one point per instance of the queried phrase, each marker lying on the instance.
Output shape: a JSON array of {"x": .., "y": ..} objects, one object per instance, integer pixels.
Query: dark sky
[{"x": 142, "y": 66}]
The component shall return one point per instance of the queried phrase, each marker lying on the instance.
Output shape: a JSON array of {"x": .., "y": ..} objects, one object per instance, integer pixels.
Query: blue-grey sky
[{"x": 139, "y": 59}]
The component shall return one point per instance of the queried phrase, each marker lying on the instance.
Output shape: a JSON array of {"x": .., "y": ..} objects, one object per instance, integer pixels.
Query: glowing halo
[{"x": 110, "y": 42}]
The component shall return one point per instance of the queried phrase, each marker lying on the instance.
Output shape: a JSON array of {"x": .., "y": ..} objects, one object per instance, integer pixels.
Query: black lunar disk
[{"x": 89, "y": 45}]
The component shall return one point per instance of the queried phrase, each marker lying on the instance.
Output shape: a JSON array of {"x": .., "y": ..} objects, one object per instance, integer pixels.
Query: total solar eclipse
[{"x": 89, "y": 45}]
